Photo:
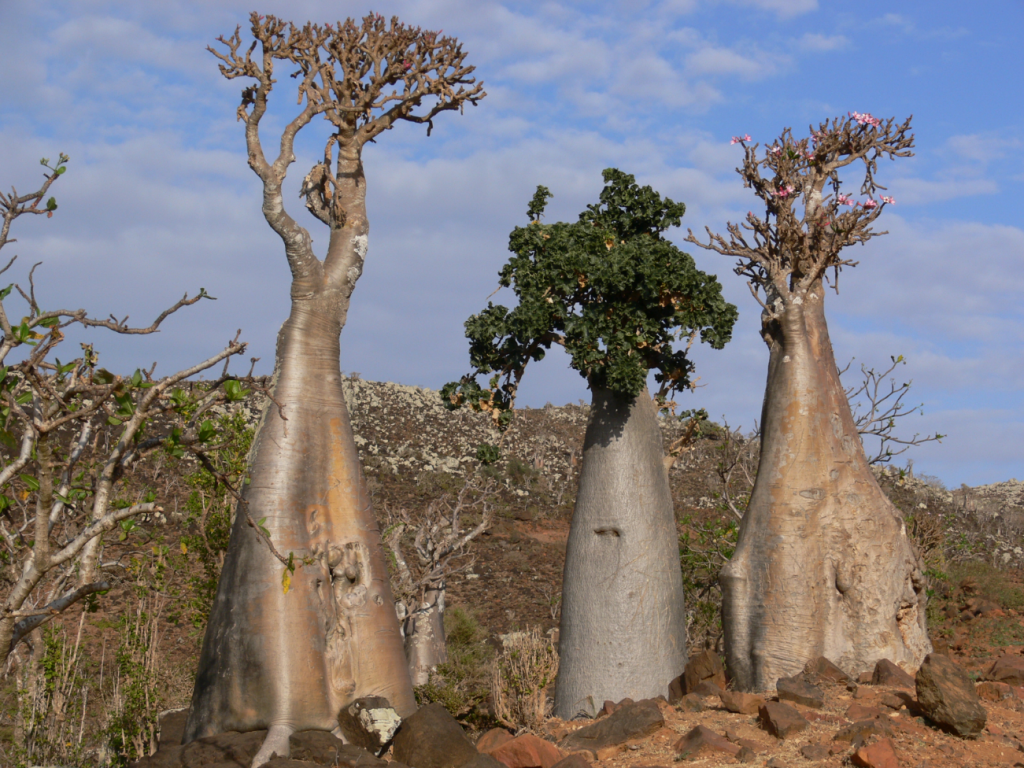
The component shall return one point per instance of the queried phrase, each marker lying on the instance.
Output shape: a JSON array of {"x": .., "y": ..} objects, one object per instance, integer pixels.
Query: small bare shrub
[{"x": 523, "y": 670}]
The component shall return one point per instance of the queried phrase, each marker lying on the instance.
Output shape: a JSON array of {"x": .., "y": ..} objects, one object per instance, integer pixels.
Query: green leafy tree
[{"x": 622, "y": 301}]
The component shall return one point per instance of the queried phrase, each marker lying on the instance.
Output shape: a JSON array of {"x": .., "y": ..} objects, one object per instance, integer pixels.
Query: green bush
[{"x": 461, "y": 683}]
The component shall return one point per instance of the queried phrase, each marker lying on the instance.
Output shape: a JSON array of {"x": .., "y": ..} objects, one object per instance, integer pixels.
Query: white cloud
[
  {"x": 722, "y": 61},
  {"x": 784, "y": 8},
  {"x": 910, "y": 191},
  {"x": 982, "y": 147},
  {"x": 819, "y": 43}
]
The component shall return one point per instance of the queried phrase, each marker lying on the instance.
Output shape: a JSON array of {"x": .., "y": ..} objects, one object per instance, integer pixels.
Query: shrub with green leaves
[{"x": 461, "y": 683}]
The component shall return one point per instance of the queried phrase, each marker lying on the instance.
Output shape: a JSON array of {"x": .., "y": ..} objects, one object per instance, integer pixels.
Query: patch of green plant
[
  {"x": 460, "y": 684},
  {"x": 704, "y": 547},
  {"x": 208, "y": 517},
  {"x": 487, "y": 453},
  {"x": 991, "y": 583},
  {"x": 519, "y": 471}
]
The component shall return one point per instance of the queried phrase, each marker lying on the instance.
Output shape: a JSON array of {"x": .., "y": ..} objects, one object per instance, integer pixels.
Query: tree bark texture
[
  {"x": 424, "y": 636},
  {"x": 623, "y": 627},
  {"x": 823, "y": 566},
  {"x": 291, "y": 661}
]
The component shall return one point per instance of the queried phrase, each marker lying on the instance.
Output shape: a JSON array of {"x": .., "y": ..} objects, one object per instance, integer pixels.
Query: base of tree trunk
[{"x": 623, "y": 627}]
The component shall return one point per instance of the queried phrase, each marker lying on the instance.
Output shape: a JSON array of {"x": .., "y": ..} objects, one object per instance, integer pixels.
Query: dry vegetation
[{"x": 90, "y": 690}]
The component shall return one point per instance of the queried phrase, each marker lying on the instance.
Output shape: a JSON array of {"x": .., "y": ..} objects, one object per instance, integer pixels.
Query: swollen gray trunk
[
  {"x": 623, "y": 628},
  {"x": 823, "y": 566}
]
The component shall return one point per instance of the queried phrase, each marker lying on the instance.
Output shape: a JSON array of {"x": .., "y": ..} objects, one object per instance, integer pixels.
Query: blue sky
[{"x": 158, "y": 198}]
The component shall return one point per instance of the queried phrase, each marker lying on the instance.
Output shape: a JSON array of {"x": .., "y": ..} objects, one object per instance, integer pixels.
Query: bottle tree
[
  {"x": 622, "y": 301},
  {"x": 823, "y": 565},
  {"x": 304, "y": 620}
]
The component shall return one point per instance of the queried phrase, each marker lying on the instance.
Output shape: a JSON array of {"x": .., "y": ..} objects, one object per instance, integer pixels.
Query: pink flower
[
  {"x": 889, "y": 200},
  {"x": 785, "y": 191},
  {"x": 740, "y": 139},
  {"x": 869, "y": 204},
  {"x": 844, "y": 199},
  {"x": 864, "y": 118},
  {"x": 775, "y": 150}
]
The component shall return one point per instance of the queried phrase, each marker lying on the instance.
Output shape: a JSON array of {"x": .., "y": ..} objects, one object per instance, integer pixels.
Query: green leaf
[
  {"x": 207, "y": 431},
  {"x": 136, "y": 378},
  {"x": 234, "y": 391},
  {"x": 114, "y": 421},
  {"x": 30, "y": 482},
  {"x": 103, "y": 376},
  {"x": 51, "y": 204},
  {"x": 61, "y": 170},
  {"x": 49, "y": 322},
  {"x": 23, "y": 398},
  {"x": 6, "y": 291},
  {"x": 8, "y": 439}
]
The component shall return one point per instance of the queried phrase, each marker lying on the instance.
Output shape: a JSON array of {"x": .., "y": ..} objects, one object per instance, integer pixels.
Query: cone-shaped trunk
[
  {"x": 623, "y": 628},
  {"x": 823, "y": 566},
  {"x": 293, "y": 660}
]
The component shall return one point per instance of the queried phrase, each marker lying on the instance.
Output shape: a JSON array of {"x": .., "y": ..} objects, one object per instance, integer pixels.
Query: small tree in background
[
  {"x": 622, "y": 301},
  {"x": 291, "y": 640},
  {"x": 823, "y": 566},
  {"x": 58, "y": 494}
]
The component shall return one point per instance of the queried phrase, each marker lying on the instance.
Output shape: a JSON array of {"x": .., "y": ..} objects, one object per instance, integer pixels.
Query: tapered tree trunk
[
  {"x": 424, "y": 636},
  {"x": 623, "y": 628},
  {"x": 823, "y": 566},
  {"x": 290, "y": 661}
]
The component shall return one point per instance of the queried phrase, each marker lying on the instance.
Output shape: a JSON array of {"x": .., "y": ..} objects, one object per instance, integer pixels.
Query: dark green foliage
[
  {"x": 487, "y": 453},
  {"x": 619, "y": 297}
]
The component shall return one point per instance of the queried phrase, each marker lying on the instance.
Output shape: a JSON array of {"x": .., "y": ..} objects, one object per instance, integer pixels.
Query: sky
[{"x": 158, "y": 199}]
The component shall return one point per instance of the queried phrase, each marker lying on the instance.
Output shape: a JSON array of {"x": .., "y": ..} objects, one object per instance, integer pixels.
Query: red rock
[
  {"x": 781, "y": 720},
  {"x": 858, "y": 712},
  {"x": 607, "y": 709},
  {"x": 798, "y": 690},
  {"x": 881, "y": 754},
  {"x": 527, "y": 751},
  {"x": 573, "y": 761},
  {"x": 703, "y": 742},
  {"x": 862, "y": 730},
  {"x": 1007, "y": 669},
  {"x": 493, "y": 739},
  {"x": 822, "y": 670},
  {"x": 946, "y": 694},
  {"x": 887, "y": 673},
  {"x": 990, "y": 691},
  {"x": 815, "y": 751},
  {"x": 741, "y": 703},
  {"x": 706, "y": 665}
]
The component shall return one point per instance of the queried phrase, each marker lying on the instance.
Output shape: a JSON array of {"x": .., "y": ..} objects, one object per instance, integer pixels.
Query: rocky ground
[{"x": 415, "y": 452}]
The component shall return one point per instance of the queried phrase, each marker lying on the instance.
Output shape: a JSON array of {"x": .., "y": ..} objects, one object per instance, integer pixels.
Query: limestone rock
[
  {"x": 947, "y": 696},
  {"x": 888, "y": 673},
  {"x": 705, "y": 665},
  {"x": 799, "y": 690},
  {"x": 632, "y": 721},
  {"x": 370, "y": 723},
  {"x": 431, "y": 738},
  {"x": 781, "y": 720},
  {"x": 171, "y": 725}
]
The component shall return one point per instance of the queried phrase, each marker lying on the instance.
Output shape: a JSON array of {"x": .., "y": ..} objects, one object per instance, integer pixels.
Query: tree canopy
[{"x": 610, "y": 288}]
